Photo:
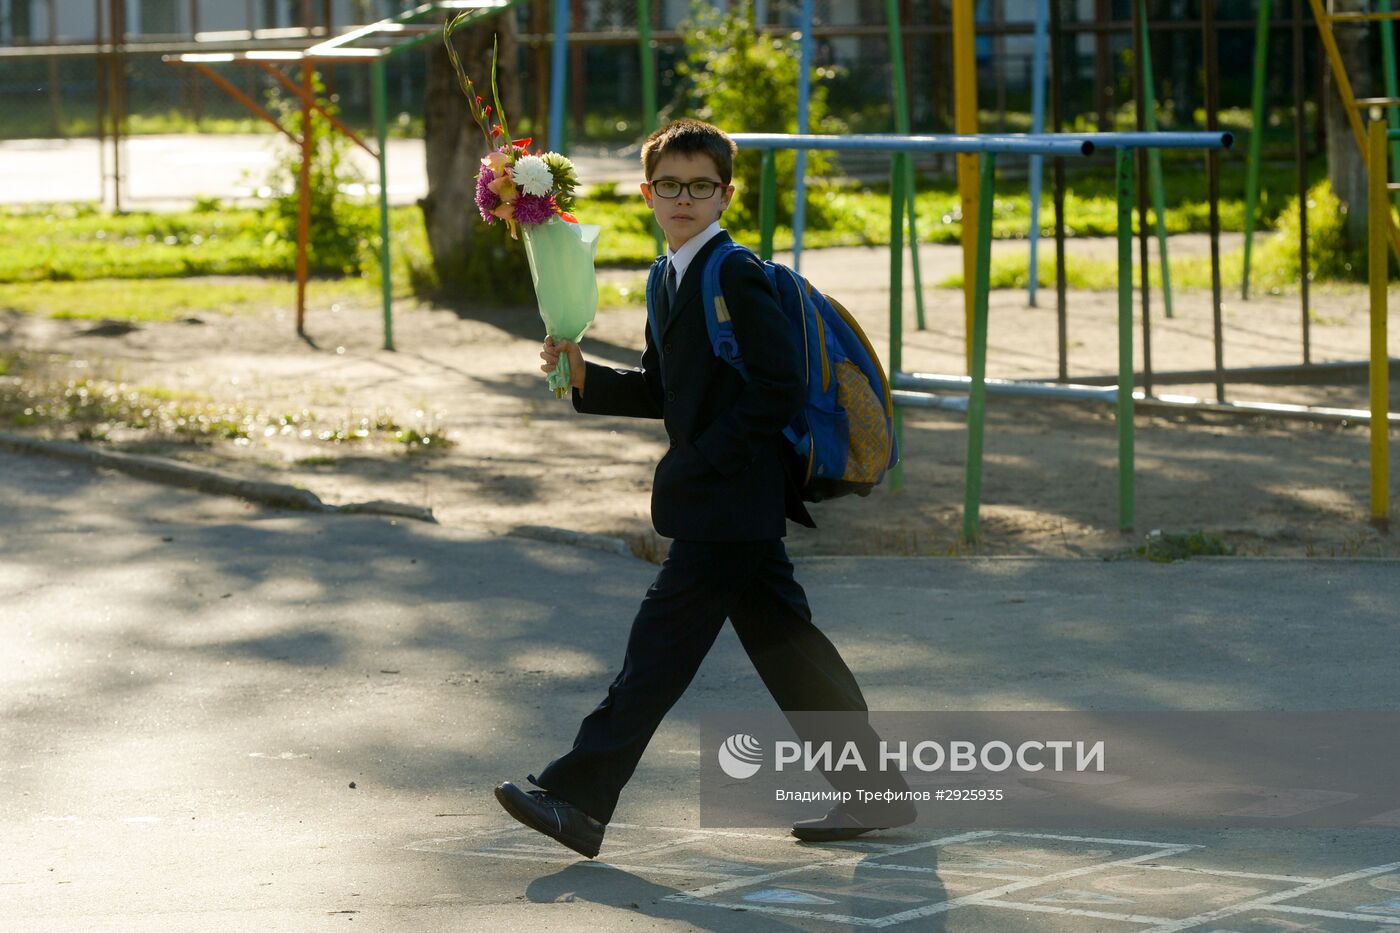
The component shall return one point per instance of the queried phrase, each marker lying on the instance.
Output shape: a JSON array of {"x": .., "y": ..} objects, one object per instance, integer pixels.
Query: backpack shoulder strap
[
  {"x": 717, "y": 319},
  {"x": 658, "y": 268}
]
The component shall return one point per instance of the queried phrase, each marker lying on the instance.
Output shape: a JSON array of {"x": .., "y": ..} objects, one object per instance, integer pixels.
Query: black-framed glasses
[{"x": 700, "y": 189}]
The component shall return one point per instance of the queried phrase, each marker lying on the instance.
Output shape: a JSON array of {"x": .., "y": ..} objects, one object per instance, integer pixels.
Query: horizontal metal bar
[
  {"x": 1109, "y": 395},
  {"x": 933, "y": 381},
  {"x": 1341, "y": 372},
  {"x": 1161, "y": 140},
  {"x": 1042, "y": 144},
  {"x": 135, "y": 49},
  {"x": 398, "y": 23},
  {"x": 1320, "y": 415},
  {"x": 1361, "y": 17},
  {"x": 929, "y": 400},
  {"x": 1378, "y": 102},
  {"x": 146, "y": 45},
  {"x": 290, "y": 55},
  {"x": 911, "y": 30},
  {"x": 260, "y": 35}
]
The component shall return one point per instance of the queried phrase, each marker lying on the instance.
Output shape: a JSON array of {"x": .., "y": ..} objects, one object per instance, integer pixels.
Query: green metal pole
[
  {"x": 648, "y": 94},
  {"x": 1392, "y": 88},
  {"x": 1124, "y": 159},
  {"x": 977, "y": 394},
  {"x": 910, "y": 188},
  {"x": 901, "y": 125},
  {"x": 381, "y": 129},
  {"x": 768, "y": 203},
  {"x": 1256, "y": 138},
  {"x": 897, "y": 177},
  {"x": 648, "y": 66},
  {"x": 1154, "y": 164}
]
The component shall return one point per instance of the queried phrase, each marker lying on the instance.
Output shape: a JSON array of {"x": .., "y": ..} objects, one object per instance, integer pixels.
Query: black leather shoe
[
  {"x": 840, "y": 824},
  {"x": 557, "y": 819}
]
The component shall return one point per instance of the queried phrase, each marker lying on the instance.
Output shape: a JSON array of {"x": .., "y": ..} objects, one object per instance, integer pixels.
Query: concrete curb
[
  {"x": 582, "y": 539},
  {"x": 204, "y": 479}
]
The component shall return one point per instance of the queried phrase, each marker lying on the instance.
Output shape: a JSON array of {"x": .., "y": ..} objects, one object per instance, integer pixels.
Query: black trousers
[{"x": 700, "y": 584}]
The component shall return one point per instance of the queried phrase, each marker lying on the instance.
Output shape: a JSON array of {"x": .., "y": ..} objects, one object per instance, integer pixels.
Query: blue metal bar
[
  {"x": 1046, "y": 144},
  {"x": 1042, "y": 16},
  {"x": 1024, "y": 143},
  {"x": 1159, "y": 140},
  {"x": 804, "y": 94},
  {"x": 559, "y": 63}
]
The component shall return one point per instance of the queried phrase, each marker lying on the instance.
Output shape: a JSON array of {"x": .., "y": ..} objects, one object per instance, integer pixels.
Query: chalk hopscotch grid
[{"x": 867, "y": 854}]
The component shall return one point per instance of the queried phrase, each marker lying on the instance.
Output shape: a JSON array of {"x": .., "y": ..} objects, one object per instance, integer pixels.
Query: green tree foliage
[
  {"x": 341, "y": 227},
  {"x": 745, "y": 82}
]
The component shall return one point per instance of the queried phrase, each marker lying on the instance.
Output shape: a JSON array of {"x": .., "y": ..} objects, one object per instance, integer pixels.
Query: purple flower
[
  {"x": 534, "y": 208},
  {"x": 486, "y": 199}
]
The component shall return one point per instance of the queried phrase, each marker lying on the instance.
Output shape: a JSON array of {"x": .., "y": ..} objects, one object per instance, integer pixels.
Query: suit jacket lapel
[{"x": 689, "y": 290}]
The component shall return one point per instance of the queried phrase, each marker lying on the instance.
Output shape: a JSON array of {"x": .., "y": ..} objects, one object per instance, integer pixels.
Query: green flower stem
[{"x": 562, "y": 377}]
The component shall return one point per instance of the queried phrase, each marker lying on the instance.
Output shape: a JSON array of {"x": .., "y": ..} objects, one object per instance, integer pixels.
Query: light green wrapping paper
[{"x": 566, "y": 285}]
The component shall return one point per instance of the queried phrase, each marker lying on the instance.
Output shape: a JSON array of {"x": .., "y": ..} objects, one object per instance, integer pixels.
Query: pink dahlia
[
  {"x": 534, "y": 208},
  {"x": 486, "y": 199}
]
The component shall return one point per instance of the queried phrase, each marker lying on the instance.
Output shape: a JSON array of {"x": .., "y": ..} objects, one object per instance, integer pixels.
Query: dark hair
[{"x": 690, "y": 137}]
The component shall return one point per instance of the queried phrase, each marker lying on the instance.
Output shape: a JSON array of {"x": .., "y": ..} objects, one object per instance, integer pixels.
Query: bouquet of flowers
[{"x": 532, "y": 193}]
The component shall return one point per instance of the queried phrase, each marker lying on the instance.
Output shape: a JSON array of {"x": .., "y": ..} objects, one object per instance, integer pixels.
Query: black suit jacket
[{"x": 727, "y": 475}]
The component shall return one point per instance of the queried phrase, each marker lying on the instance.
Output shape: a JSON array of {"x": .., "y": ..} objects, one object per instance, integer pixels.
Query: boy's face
[{"x": 685, "y": 215}]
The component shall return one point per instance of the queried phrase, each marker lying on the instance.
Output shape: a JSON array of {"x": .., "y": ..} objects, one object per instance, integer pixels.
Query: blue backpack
[{"x": 844, "y": 436}]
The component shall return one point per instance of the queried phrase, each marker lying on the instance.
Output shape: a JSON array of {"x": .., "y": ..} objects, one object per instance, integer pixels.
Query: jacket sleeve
[
  {"x": 773, "y": 394},
  {"x": 632, "y": 393}
]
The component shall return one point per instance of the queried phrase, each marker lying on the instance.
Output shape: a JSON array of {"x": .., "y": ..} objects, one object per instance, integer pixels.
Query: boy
[{"x": 721, "y": 492}]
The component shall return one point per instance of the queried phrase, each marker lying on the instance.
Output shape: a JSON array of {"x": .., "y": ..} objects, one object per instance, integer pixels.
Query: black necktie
[{"x": 670, "y": 289}]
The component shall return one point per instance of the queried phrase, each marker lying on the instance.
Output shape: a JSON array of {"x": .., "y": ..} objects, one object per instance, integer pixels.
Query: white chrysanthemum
[{"x": 532, "y": 175}]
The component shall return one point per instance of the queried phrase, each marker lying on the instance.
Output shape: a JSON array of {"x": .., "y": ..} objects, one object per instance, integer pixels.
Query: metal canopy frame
[{"x": 374, "y": 44}]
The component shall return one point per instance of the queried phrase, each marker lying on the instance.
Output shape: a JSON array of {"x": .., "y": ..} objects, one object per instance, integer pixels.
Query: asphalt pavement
[{"x": 218, "y": 716}]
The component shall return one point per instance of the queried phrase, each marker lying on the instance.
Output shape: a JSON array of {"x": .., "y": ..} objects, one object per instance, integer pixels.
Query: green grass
[
  {"x": 79, "y": 244},
  {"x": 96, "y": 408},
  {"x": 1167, "y": 547},
  {"x": 1268, "y": 274},
  {"x": 634, "y": 294},
  {"x": 139, "y": 299},
  {"x": 860, "y": 215},
  {"x": 1275, "y": 267},
  {"x": 76, "y": 243}
]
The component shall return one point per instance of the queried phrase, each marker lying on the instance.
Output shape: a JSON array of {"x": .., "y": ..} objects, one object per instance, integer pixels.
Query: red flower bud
[{"x": 495, "y": 131}]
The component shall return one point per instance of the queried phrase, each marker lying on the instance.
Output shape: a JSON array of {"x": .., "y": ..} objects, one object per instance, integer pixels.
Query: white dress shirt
[{"x": 680, "y": 259}]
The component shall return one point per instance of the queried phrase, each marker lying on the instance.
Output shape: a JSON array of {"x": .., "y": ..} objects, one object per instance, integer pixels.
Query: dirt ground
[{"x": 518, "y": 457}]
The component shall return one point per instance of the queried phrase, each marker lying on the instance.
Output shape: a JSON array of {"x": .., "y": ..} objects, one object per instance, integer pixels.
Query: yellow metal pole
[
  {"x": 1379, "y": 263},
  {"x": 965, "y": 121}
]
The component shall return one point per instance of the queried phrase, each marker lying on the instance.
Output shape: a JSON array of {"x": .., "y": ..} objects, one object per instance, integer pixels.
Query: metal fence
[{"x": 50, "y": 91}]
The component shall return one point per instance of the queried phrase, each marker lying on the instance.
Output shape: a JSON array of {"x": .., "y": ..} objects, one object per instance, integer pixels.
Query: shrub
[
  {"x": 1330, "y": 257},
  {"x": 744, "y": 82},
  {"x": 341, "y": 228}
]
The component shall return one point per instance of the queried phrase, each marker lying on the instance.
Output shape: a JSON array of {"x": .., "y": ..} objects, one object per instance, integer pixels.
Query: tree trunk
[
  {"x": 1344, "y": 166},
  {"x": 473, "y": 260},
  {"x": 1186, "y": 67}
]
